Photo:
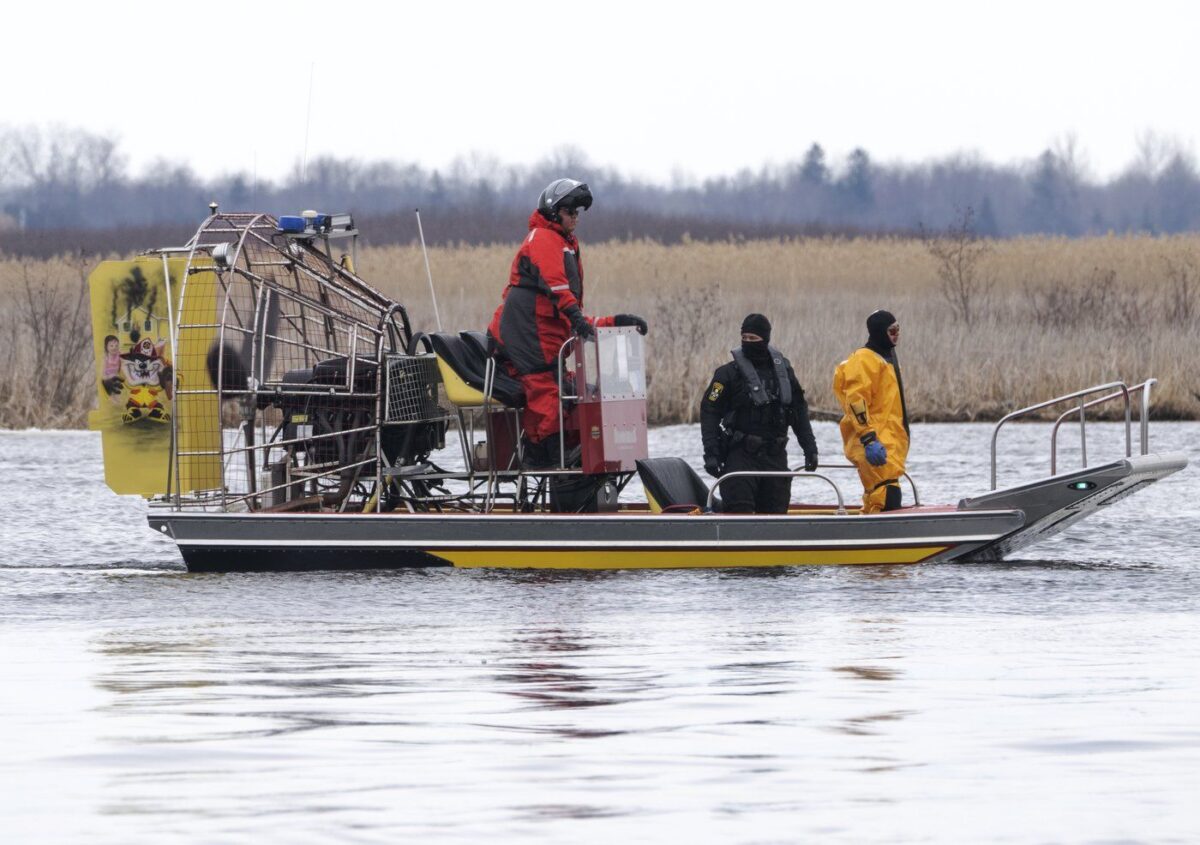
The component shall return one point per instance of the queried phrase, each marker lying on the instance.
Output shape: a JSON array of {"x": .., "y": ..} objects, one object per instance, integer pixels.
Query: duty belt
[{"x": 752, "y": 444}]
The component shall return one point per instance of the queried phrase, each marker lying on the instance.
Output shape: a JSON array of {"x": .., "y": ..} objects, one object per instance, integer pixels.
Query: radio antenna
[
  {"x": 428, "y": 273},
  {"x": 312, "y": 70}
]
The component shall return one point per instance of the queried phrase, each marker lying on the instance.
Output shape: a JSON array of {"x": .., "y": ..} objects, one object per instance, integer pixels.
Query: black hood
[
  {"x": 757, "y": 351},
  {"x": 878, "y": 341},
  {"x": 757, "y": 324},
  {"x": 877, "y": 336}
]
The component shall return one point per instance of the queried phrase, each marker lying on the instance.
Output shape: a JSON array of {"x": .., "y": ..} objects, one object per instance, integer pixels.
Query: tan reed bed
[
  {"x": 1060, "y": 314},
  {"x": 818, "y": 293}
]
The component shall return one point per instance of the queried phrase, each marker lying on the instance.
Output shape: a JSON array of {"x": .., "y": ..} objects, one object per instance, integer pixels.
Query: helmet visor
[{"x": 577, "y": 197}]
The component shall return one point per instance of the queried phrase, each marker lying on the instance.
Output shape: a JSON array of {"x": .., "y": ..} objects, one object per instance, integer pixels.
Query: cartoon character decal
[
  {"x": 110, "y": 378},
  {"x": 146, "y": 374},
  {"x": 138, "y": 379}
]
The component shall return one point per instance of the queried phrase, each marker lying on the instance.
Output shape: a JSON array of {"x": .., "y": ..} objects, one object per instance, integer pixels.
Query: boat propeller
[{"x": 230, "y": 368}]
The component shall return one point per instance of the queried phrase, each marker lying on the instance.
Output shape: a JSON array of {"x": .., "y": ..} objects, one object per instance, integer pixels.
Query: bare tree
[
  {"x": 64, "y": 183},
  {"x": 56, "y": 317},
  {"x": 958, "y": 252}
]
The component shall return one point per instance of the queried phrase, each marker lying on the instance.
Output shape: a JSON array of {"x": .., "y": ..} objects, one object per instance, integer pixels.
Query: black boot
[
  {"x": 541, "y": 455},
  {"x": 547, "y": 453}
]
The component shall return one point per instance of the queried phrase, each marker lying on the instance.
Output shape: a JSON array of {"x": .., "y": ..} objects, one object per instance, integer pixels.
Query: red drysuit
[{"x": 544, "y": 295}]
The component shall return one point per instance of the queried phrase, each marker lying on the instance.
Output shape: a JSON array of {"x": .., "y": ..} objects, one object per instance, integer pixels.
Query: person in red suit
[{"x": 542, "y": 306}]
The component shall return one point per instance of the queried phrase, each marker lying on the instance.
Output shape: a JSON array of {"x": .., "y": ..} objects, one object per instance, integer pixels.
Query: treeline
[{"x": 71, "y": 189}]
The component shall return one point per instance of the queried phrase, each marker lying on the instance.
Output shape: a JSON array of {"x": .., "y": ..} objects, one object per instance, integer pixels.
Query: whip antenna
[
  {"x": 312, "y": 70},
  {"x": 428, "y": 273}
]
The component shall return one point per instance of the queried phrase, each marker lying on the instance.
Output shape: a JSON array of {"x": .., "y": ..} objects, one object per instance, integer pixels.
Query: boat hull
[
  {"x": 982, "y": 528},
  {"x": 1053, "y": 504},
  {"x": 261, "y": 542}
]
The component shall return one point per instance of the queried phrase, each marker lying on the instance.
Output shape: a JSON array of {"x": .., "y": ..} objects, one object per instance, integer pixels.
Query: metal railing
[
  {"x": 911, "y": 483},
  {"x": 841, "y": 508},
  {"x": 1143, "y": 420},
  {"x": 1117, "y": 389},
  {"x": 562, "y": 397}
]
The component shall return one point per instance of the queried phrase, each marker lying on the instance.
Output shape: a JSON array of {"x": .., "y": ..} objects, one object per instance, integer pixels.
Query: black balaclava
[
  {"x": 761, "y": 326},
  {"x": 877, "y": 336},
  {"x": 878, "y": 341}
]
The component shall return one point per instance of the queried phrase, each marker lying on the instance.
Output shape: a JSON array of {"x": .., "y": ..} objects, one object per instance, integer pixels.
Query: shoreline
[{"x": 1107, "y": 418}]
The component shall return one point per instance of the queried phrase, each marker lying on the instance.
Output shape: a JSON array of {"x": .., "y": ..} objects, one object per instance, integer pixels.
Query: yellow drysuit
[{"x": 866, "y": 386}]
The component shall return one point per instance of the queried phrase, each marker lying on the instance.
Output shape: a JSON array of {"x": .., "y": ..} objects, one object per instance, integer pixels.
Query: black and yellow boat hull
[{"x": 987, "y": 527}]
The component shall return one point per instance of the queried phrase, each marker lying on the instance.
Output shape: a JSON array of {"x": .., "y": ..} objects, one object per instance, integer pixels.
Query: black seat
[
  {"x": 504, "y": 387},
  {"x": 673, "y": 485},
  {"x": 470, "y": 363},
  {"x": 454, "y": 352},
  {"x": 477, "y": 341}
]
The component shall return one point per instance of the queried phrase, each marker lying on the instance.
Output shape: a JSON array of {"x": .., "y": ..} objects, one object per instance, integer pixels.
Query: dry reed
[
  {"x": 1125, "y": 319},
  {"x": 1055, "y": 314}
]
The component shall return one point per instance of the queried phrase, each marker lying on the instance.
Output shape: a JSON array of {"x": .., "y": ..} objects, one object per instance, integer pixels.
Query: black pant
[{"x": 756, "y": 494}]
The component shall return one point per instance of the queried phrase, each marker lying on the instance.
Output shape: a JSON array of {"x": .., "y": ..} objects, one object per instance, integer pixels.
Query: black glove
[
  {"x": 810, "y": 461},
  {"x": 581, "y": 326},
  {"x": 631, "y": 320},
  {"x": 712, "y": 466}
]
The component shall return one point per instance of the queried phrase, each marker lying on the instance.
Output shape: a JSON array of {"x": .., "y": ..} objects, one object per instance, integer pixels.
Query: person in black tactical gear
[{"x": 744, "y": 419}]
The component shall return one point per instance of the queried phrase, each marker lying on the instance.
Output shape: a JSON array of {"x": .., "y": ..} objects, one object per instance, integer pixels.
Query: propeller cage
[{"x": 284, "y": 359}]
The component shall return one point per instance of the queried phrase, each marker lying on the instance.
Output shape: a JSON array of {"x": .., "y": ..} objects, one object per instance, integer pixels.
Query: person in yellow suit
[{"x": 875, "y": 425}]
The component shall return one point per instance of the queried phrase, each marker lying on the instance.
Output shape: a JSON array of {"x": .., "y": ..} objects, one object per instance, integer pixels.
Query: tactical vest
[
  {"x": 770, "y": 410},
  {"x": 758, "y": 391}
]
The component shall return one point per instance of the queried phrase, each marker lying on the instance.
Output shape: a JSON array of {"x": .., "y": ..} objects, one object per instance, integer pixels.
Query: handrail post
[
  {"x": 1053, "y": 451},
  {"x": 1145, "y": 415},
  {"x": 1083, "y": 432},
  {"x": 562, "y": 441},
  {"x": 1128, "y": 426},
  {"x": 995, "y": 434}
]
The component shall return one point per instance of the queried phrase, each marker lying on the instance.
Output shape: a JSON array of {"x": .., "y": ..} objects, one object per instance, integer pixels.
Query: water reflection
[
  {"x": 868, "y": 725},
  {"x": 868, "y": 673},
  {"x": 541, "y": 674},
  {"x": 236, "y": 691}
]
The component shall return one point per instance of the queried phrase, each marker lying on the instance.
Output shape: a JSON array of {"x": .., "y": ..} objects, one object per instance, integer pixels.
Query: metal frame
[
  {"x": 712, "y": 492},
  {"x": 282, "y": 267},
  {"x": 1117, "y": 388},
  {"x": 572, "y": 342},
  {"x": 916, "y": 495},
  {"x": 1143, "y": 419}
]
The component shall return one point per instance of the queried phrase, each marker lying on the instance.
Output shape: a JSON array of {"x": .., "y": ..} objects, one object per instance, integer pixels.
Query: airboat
[{"x": 279, "y": 413}]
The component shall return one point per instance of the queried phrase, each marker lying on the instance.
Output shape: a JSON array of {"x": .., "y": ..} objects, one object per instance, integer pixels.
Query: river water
[{"x": 1051, "y": 699}]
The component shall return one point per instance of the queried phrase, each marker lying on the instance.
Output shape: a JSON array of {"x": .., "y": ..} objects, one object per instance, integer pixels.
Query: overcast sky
[{"x": 655, "y": 89}]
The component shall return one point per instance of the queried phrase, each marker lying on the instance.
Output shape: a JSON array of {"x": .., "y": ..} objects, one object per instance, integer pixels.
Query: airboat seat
[
  {"x": 477, "y": 342},
  {"x": 463, "y": 371},
  {"x": 504, "y": 387},
  {"x": 672, "y": 486}
]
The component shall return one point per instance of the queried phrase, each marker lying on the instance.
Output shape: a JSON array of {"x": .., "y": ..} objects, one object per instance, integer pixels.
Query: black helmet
[{"x": 563, "y": 193}]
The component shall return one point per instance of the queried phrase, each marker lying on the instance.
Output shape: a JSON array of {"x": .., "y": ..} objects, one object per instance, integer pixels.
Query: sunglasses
[{"x": 570, "y": 212}]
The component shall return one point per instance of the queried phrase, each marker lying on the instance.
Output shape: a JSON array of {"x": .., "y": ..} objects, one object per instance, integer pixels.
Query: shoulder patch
[{"x": 714, "y": 392}]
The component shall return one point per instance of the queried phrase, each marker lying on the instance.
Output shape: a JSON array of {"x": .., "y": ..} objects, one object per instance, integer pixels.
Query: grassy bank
[{"x": 1032, "y": 318}]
